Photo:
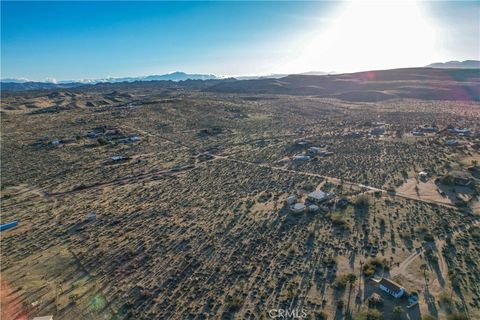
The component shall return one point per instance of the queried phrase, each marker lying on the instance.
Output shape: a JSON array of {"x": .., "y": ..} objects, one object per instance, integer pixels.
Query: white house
[
  {"x": 391, "y": 287},
  {"x": 318, "y": 196}
]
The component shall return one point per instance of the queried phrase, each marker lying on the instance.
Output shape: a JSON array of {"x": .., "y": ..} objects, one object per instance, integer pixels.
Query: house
[
  {"x": 318, "y": 196},
  {"x": 391, "y": 287},
  {"x": 302, "y": 143},
  {"x": 91, "y": 135},
  {"x": 418, "y": 133},
  {"x": 325, "y": 153},
  {"x": 378, "y": 131},
  {"x": 461, "y": 178},
  {"x": 91, "y": 216},
  {"x": 43, "y": 318},
  {"x": 261, "y": 143},
  {"x": 313, "y": 208},
  {"x": 134, "y": 138},
  {"x": 314, "y": 150},
  {"x": 119, "y": 158},
  {"x": 459, "y": 131},
  {"x": 301, "y": 158},
  {"x": 291, "y": 199},
  {"x": 452, "y": 142},
  {"x": 298, "y": 208},
  {"x": 429, "y": 129}
]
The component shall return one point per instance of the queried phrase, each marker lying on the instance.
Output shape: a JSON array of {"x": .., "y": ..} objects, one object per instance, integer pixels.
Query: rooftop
[{"x": 390, "y": 284}]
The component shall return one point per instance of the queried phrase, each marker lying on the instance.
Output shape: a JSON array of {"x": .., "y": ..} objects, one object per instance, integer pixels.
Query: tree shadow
[{"x": 429, "y": 299}]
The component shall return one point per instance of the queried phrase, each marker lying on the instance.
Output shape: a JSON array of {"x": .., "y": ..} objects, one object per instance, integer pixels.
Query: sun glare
[{"x": 370, "y": 35}]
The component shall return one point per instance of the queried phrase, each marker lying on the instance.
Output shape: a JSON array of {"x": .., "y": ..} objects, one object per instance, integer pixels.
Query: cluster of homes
[
  {"x": 311, "y": 204},
  {"x": 459, "y": 131},
  {"x": 423, "y": 130},
  {"x": 111, "y": 134},
  {"x": 311, "y": 151}
]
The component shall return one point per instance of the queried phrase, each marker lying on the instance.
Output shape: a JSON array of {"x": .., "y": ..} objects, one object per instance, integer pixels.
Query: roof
[
  {"x": 318, "y": 195},
  {"x": 43, "y": 318},
  {"x": 300, "y": 157},
  {"x": 390, "y": 284},
  {"x": 298, "y": 206}
]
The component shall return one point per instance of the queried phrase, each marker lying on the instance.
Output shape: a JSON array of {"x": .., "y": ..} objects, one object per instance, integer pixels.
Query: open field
[{"x": 169, "y": 202}]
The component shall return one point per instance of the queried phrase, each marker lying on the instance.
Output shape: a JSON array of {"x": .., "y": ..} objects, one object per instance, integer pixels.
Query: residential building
[{"x": 391, "y": 287}]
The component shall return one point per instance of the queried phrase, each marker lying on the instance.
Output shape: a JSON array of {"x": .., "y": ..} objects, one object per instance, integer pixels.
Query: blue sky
[{"x": 78, "y": 40}]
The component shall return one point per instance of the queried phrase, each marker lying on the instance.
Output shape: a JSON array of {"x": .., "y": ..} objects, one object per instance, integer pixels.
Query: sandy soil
[{"x": 426, "y": 191}]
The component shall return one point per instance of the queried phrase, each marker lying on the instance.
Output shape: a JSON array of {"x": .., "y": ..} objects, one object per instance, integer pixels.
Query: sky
[{"x": 75, "y": 40}]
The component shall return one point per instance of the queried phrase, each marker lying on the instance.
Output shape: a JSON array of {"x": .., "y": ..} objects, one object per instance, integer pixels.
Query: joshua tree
[{"x": 397, "y": 312}]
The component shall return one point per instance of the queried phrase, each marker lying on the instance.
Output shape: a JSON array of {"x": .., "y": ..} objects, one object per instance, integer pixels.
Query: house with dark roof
[{"x": 391, "y": 287}]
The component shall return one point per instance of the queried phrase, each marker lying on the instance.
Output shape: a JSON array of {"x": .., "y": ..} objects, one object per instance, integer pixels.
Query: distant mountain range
[
  {"x": 25, "y": 84},
  {"x": 174, "y": 76},
  {"x": 467, "y": 64}
]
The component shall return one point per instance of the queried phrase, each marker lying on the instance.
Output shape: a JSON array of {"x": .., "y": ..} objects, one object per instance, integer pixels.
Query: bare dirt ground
[
  {"x": 427, "y": 190},
  {"x": 191, "y": 222}
]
